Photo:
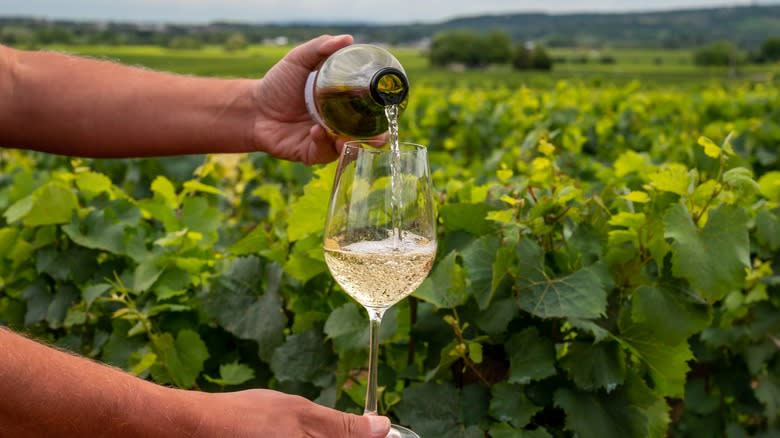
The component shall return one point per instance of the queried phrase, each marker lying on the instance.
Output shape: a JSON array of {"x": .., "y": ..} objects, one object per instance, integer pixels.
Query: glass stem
[{"x": 375, "y": 321}]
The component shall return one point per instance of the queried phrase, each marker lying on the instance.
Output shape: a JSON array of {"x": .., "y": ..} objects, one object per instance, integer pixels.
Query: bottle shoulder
[{"x": 355, "y": 66}]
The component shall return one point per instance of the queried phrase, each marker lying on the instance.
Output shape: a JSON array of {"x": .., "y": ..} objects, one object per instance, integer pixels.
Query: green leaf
[
  {"x": 93, "y": 292},
  {"x": 578, "y": 295},
  {"x": 637, "y": 196},
  {"x": 632, "y": 162},
  {"x": 710, "y": 148},
  {"x": 233, "y": 374},
  {"x": 348, "y": 328},
  {"x": 474, "y": 405},
  {"x": 467, "y": 217},
  {"x": 631, "y": 411},
  {"x": 502, "y": 266},
  {"x": 510, "y": 405},
  {"x": 674, "y": 315},
  {"x": 93, "y": 183},
  {"x": 19, "y": 209},
  {"x": 767, "y": 391},
  {"x": 38, "y": 298},
  {"x": 198, "y": 215},
  {"x": 119, "y": 347},
  {"x": 75, "y": 316},
  {"x": 260, "y": 241},
  {"x": 496, "y": 318},
  {"x": 768, "y": 229},
  {"x": 304, "y": 357},
  {"x": 12, "y": 312},
  {"x": 8, "y": 238},
  {"x": 303, "y": 265},
  {"x": 172, "y": 282},
  {"x": 164, "y": 188},
  {"x": 167, "y": 307},
  {"x": 672, "y": 177},
  {"x": 599, "y": 333},
  {"x": 146, "y": 274},
  {"x": 503, "y": 430},
  {"x": 52, "y": 203},
  {"x": 234, "y": 303},
  {"x": 701, "y": 397},
  {"x": 595, "y": 366},
  {"x": 272, "y": 194},
  {"x": 197, "y": 186},
  {"x": 741, "y": 180},
  {"x": 531, "y": 357},
  {"x": 307, "y": 213},
  {"x": 478, "y": 260},
  {"x": 147, "y": 361},
  {"x": 713, "y": 259},
  {"x": 445, "y": 287},
  {"x": 666, "y": 363},
  {"x": 184, "y": 357},
  {"x": 628, "y": 220},
  {"x": 431, "y": 410},
  {"x": 769, "y": 185},
  {"x": 64, "y": 298},
  {"x": 104, "y": 228}
]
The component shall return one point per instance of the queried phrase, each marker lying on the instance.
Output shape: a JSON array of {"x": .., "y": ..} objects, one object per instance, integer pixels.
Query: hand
[
  {"x": 283, "y": 125},
  {"x": 266, "y": 413}
]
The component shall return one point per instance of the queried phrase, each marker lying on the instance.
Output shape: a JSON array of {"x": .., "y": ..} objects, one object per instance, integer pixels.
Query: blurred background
[{"x": 663, "y": 40}]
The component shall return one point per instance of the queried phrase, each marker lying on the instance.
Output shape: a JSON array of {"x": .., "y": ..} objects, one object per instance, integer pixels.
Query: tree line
[{"x": 473, "y": 50}]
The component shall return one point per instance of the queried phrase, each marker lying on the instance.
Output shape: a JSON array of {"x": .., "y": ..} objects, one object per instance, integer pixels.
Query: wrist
[
  {"x": 165, "y": 412},
  {"x": 246, "y": 109}
]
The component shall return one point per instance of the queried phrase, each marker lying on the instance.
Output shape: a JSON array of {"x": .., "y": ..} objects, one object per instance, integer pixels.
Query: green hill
[{"x": 747, "y": 26}]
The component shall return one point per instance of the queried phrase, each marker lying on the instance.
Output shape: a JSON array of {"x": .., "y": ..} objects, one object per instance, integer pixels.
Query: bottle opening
[{"x": 389, "y": 86}]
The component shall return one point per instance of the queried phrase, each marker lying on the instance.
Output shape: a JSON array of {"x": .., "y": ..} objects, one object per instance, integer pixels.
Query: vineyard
[{"x": 608, "y": 266}]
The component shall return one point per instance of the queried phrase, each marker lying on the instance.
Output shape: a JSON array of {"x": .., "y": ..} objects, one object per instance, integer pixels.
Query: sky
[{"x": 284, "y": 11}]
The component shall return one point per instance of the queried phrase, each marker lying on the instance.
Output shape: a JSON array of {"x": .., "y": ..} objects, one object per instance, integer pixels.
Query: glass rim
[{"x": 383, "y": 146}]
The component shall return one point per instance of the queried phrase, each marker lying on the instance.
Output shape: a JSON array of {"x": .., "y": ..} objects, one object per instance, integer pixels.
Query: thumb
[
  {"x": 378, "y": 426},
  {"x": 335, "y": 424},
  {"x": 364, "y": 426}
]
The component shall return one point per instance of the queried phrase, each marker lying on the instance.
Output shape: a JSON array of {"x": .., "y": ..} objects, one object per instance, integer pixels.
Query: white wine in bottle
[{"x": 348, "y": 94}]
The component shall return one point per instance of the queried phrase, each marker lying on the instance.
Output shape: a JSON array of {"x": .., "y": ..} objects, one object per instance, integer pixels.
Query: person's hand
[
  {"x": 283, "y": 126},
  {"x": 266, "y": 413}
]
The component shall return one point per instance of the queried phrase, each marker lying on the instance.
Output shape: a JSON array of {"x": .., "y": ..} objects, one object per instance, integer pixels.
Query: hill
[{"x": 747, "y": 26}]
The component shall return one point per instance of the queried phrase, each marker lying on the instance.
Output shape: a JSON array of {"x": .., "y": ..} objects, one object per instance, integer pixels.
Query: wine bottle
[{"x": 348, "y": 93}]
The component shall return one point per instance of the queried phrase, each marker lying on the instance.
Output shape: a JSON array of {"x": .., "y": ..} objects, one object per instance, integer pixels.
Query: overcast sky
[{"x": 379, "y": 11}]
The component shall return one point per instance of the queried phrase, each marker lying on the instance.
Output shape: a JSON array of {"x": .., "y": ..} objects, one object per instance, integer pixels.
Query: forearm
[
  {"x": 104, "y": 109},
  {"x": 46, "y": 392}
]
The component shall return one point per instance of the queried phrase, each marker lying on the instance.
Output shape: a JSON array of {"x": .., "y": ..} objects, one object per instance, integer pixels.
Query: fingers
[
  {"x": 334, "y": 43},
  {"x": 311, "y": 53},
  {"x": 324, "y": 148}
]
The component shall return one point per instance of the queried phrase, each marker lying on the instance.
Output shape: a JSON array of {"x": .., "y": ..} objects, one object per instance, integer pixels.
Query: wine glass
[{"x": 380, "y": 234}]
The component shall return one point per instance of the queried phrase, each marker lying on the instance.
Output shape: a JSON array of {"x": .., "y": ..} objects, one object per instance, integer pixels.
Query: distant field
[
  {"x": 652, "y": 67},
  {"x": 209, "y": 61}
]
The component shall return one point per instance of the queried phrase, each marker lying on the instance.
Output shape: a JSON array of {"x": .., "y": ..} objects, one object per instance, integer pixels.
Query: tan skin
[{"x": 75, "y": 106}]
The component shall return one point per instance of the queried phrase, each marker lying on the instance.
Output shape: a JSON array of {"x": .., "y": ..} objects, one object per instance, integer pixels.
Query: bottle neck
[{"x": 389, "y": 86}]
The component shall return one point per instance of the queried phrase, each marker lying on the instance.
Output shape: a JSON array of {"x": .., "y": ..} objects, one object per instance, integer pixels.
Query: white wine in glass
[{"x": 380, "y": 234}]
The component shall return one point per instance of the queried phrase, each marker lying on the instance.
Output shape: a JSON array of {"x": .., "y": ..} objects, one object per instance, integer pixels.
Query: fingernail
[{"x": 379, "y": 425}]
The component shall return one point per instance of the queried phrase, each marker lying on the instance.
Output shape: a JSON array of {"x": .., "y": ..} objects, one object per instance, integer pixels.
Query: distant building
[{"x": 276, "y": 41}]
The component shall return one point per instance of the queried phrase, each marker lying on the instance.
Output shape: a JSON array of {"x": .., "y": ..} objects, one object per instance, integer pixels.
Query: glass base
[{"x": 401, "y": 432}]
